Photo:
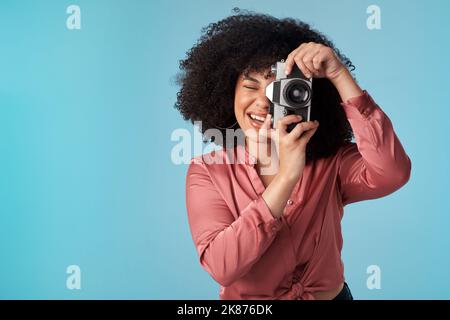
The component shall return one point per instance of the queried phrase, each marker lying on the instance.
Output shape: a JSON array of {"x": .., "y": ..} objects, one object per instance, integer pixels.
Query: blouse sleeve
[
  {"x": 227, "y": 247},
  {"x": 377, "y": 164}
]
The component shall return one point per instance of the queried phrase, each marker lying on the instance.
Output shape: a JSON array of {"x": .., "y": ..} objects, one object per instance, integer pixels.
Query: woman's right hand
[
  {"x": 291, "y": 152},
  {"x": 291, "y": 147}
]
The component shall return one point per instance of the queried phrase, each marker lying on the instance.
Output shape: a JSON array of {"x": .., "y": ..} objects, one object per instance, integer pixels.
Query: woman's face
[{"x": 250, "y": 102}]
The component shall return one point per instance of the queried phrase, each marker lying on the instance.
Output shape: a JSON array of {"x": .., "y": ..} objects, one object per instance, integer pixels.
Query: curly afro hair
[{"x": 245, "y": 42}]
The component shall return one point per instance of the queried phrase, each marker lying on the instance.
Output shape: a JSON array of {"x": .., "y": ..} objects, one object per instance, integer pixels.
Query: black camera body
[{"x": 291, "y": 94}]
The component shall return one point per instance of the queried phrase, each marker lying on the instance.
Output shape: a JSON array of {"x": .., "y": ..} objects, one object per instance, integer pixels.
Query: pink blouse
[{"x": 253, "y": 255}]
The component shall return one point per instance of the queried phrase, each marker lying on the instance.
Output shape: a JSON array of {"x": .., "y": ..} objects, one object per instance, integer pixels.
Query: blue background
[{"x": 86, "y": 176}]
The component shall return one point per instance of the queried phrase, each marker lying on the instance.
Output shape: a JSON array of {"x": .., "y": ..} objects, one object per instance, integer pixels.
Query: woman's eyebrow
[{"x": 250, "y": 79}]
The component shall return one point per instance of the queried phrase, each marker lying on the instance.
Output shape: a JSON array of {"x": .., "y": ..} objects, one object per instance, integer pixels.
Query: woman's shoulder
[
  {"x": 347, "y": 149},
  {"x": 224, "y": 164},
  {"x": 209, "y": 162},
  {"x": 328, "y": 164},
  {"x": 211, "y": 158},
  {"x": 213, "y": 169},
  {"x": 222, "y": 156}
]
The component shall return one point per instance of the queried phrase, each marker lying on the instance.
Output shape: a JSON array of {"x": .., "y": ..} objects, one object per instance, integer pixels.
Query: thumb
[
  {"x": 267, "y": 122},
  {"x": 265, "y": 130}
]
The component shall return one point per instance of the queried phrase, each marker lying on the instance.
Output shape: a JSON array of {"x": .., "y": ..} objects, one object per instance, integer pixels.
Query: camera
[{"x": 291, "y": 94}]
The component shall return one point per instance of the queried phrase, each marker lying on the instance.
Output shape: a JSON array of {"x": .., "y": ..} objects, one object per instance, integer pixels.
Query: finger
[
  {"x": 299, "y": 59},
  {"x": 267, "y": 122},
  {"x": 290, "y": 60},
  {"x": 300, "y": 128},
  {"x": 275, "y": 136},
  {"x": 265, "y": 127},
  {"x": 306, "y": 136},
  {"x": 318, "y": 59},
  {"x": 303, "y": 68},
  {"x": 308, "y": 60},
  {"x": 285, "y": 121}
]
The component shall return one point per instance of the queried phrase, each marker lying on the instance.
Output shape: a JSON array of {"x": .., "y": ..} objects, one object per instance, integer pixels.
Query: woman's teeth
[{"x": 258, "y": 118}]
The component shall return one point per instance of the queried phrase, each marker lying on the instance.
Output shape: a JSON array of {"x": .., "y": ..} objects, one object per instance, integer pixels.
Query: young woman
[{"x": 278, "y": 235}]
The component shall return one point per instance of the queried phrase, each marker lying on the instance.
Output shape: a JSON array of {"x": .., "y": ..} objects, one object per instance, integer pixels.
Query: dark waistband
[{"x": 344, "y": 294}]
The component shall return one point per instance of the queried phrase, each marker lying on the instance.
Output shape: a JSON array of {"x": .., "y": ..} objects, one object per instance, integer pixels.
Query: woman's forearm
[
  {"x": 346, "y": 85},
  {"x": 277, "y": 194}
]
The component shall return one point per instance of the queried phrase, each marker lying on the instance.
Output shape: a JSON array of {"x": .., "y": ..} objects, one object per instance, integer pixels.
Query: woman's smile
[{"x": 256, "y": 120}]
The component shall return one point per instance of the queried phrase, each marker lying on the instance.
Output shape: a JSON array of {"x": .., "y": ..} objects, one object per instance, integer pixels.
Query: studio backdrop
[{"x": 92, "y": 198}]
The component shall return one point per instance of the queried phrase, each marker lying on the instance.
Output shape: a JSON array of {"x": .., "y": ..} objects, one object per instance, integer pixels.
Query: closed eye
[{"x": 251, "y": 88}]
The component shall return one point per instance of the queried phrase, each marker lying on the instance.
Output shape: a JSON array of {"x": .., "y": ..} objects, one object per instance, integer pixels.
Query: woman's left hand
[{"x": 315, "y": 60}]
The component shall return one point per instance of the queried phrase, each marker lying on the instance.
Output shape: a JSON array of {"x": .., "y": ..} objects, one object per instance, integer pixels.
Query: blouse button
[{"x": 290, "y": 202}]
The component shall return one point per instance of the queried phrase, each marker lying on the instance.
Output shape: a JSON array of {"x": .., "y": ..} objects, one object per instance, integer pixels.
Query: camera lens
[{"x": 297, "y": 93}]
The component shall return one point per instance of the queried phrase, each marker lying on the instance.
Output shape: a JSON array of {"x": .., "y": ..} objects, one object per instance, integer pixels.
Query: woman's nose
[{"x": 263, "y": 102}]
